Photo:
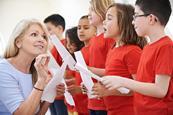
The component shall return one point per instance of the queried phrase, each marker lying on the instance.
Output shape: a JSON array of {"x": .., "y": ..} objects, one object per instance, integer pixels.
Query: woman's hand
[{"x": 41, "y": 65}]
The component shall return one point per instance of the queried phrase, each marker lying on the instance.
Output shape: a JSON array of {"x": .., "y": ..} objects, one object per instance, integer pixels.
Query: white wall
[{"x": 12, "y": 11}]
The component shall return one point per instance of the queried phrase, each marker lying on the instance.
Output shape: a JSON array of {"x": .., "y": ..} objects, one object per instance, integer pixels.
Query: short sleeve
[
  {"x": 132, "y": 60},
  {"x": 164, "y": 61},
  {"x": 11, "y": 95}
]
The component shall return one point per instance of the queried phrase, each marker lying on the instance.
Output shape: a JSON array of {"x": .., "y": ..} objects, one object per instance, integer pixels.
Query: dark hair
[
  {"x": 125, "y": 17},
  {"x": 56, "y": 20},
  {"x": 160, "y": 8},
  {"x": 73, "y": 37},
  {"x": 84, "y": 17}
]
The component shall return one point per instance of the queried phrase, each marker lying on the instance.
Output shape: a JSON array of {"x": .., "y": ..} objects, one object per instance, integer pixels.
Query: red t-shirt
[
  {"x": 55, "y": 53},
  {"x": 98, "y": 50},
  {"x": 157, "y": 58},
  {"x": 81, "y": 100},
  {"x": 121, "y": 61},
  {"x": 58, "y": 59}
]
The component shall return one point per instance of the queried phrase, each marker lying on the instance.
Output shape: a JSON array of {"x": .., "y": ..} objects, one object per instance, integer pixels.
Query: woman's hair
[
  {"x": 128, "y": 34},
  {"x": 100, "y": 6},
  {"x": 73, "y": 38},
  {"x": 12, "y": 50}
]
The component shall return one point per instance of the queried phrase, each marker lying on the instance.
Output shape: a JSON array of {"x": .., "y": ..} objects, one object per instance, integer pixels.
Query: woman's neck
[{"x": 22, "y": 63}]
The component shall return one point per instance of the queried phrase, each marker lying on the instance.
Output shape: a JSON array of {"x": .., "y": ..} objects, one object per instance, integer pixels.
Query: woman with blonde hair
[{"x": 23, "y": 71}]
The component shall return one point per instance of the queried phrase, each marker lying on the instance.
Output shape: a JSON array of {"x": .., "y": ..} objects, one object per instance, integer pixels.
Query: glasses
[{"x": 135, "y": 16}]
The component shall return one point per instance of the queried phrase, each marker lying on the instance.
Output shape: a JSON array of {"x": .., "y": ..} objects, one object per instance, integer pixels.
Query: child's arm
[
  {"x": 158, "y": 89},
  {"x": 99, "y": 90},
  {"x": 98, "y": 71}
]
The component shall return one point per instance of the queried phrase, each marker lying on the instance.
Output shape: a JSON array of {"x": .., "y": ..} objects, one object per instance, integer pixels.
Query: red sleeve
[
  {"x": 164, "y": 62},
  {"x": 56, "y": 55},
  {"x": 132, "y": 60}
]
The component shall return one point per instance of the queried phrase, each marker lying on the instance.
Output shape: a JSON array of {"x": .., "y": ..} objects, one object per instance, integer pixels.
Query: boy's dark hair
[
  {"x": 160, "y": 8},
  {"x": 84, "y": 17},
  {"x": 128, "y": 34},
  {"x": 73, "y": 37},
  {"x": 56, "y": 20}
]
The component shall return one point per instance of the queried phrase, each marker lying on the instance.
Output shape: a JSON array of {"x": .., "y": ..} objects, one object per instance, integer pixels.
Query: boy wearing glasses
[{"x": 153, "y": 86}]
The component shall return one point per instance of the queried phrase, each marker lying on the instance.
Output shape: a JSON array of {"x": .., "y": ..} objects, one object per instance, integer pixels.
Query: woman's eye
[
  {"x": 86, "y": 28},
  {"x": 45, "y": 37},
  {"x": 34, "y": 34},
  {"x": 109, "y": 18}
]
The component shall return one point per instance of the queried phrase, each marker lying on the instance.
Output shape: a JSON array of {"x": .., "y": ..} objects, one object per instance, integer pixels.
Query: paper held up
[
  {"x": 87, "y": 80},
  {"x": 68, "y": 96},
  {"x": 84, "y": 70},
  {"x": 66, "y": 56},
  {"x": 49, "y": 92},
  {"x": 79, "y": 67}
]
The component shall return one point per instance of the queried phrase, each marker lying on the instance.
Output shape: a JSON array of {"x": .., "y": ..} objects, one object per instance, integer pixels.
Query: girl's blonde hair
[
  {"x": 12, "y": 50},
  {"x": 100, "y": 7}
]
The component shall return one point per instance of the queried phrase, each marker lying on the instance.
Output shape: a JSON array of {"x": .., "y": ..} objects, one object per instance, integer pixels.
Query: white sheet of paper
[
  {"x": 85, "y": 70},
  {"x": 86, "y": 79},
  {"x": 68, "y": 96},
  {"x": 66, "y": 56},
  {"x": 88, "y": 72},
  {"x": 49, "y": 92}
]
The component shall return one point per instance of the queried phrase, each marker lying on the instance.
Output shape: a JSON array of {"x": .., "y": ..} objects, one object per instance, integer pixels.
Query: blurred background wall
[{"x": 12, "y": 11}]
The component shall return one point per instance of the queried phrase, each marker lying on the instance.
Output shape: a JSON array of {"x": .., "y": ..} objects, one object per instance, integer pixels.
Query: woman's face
[
  {"x": 111, "y": 24},
  {"x": 34, "y": 41}
]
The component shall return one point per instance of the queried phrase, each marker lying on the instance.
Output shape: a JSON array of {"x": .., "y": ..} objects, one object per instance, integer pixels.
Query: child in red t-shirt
[
  {"x": 122, "y": 59},
  {"x": 73, "y": 44},
  {"x": 154, "y": 82},
  {"x": 99, "y": 47},
  {"x": 55, "y": 24},
  {"x": 85, "y": 33}
]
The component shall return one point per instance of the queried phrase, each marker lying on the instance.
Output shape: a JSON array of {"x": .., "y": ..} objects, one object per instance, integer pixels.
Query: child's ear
[
  {"x": 152, "y": 19},
  {"x": 60, "y": 27},
  {"x": 18, "y": 43}
]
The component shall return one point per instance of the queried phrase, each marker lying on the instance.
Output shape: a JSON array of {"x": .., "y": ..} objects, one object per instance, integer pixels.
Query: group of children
[
  {"x": 113, "y": 41},
  {"x": 120, "y": 52}
]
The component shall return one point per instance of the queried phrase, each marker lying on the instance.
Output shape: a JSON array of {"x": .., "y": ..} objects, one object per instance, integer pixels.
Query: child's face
[
  {"x": 111, "y": 24},
  {"x": 70, "y": 46},
  {"x": 53, "y": 29},
  {"x": 140, "y": 22},
  {"x": 85, "y": 30},
  {"x": 94, "y": 19}
]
